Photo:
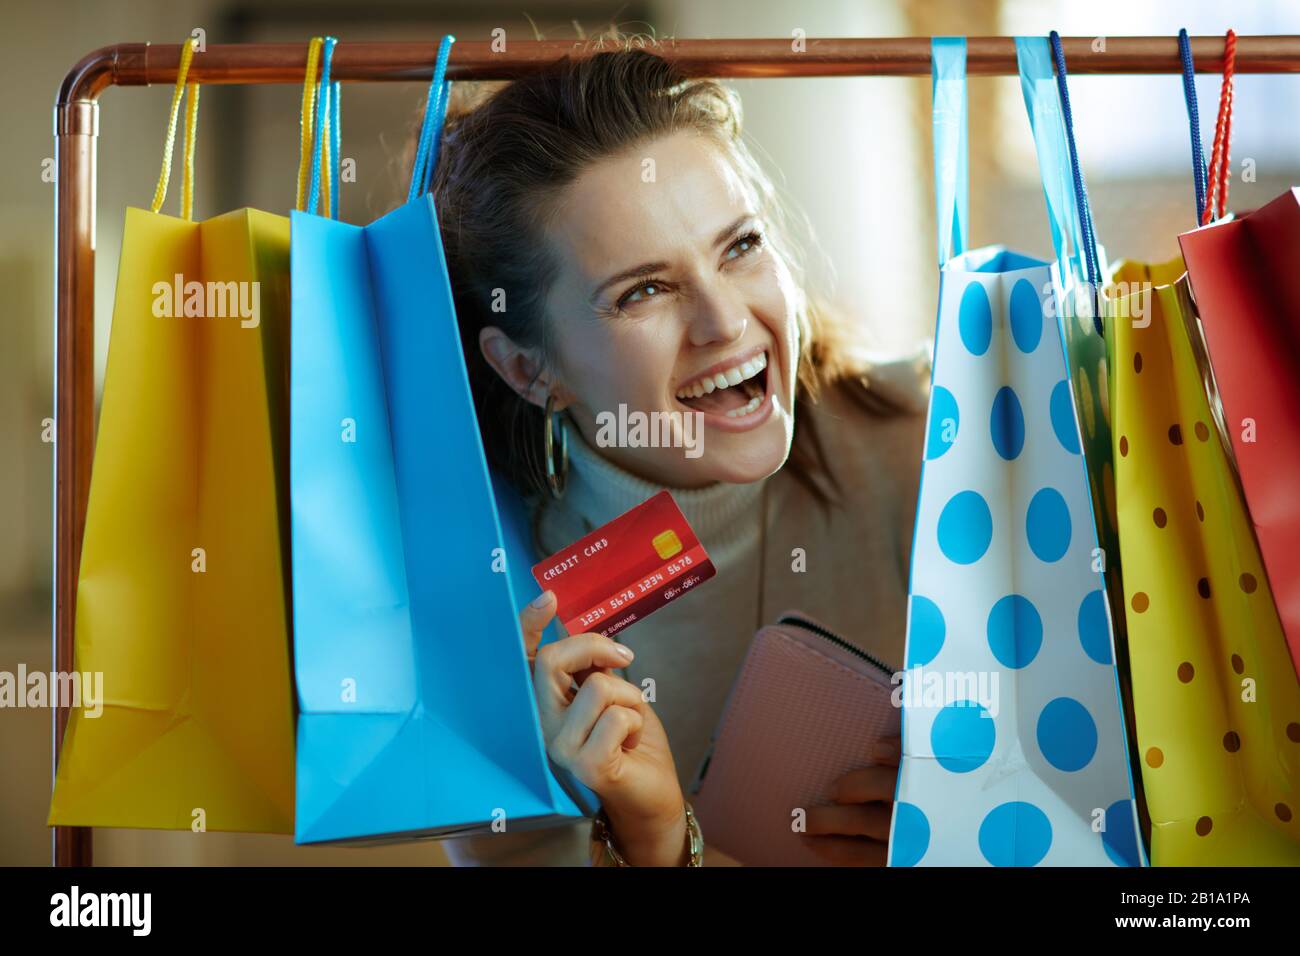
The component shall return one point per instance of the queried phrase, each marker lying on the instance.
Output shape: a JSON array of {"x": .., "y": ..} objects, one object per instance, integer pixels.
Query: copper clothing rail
[{"x": 76, "y": 126}]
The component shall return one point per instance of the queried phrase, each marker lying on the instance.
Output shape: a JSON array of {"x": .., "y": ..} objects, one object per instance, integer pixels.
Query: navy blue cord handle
[
  {"x": 1199, "y": 174},
  {"x": 1091, "y": 262}
]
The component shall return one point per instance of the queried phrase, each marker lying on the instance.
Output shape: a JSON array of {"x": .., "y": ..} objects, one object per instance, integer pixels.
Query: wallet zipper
[{"x": 835, "y": 639}]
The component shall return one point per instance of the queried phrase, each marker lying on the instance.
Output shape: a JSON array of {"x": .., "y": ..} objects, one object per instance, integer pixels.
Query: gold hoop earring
[{"x": 556, "y": 480}]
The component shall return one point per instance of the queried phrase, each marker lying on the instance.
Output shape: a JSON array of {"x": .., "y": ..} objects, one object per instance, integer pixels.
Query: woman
[{"x": 612, "y": 242}]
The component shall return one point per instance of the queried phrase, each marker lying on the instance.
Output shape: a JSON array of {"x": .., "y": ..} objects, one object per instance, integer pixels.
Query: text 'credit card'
[{"x": 625, "y": 570}]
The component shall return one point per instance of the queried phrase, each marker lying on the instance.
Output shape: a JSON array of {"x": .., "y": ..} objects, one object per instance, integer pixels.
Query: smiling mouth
[{"x": 734, "y": 392}]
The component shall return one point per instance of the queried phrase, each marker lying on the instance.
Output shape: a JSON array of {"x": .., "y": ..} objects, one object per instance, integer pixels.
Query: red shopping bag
[{"x": 1244, "y": 274}]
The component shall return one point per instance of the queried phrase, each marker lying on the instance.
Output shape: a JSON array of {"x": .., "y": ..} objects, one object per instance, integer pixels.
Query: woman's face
[{"x": 669, "y": 300}]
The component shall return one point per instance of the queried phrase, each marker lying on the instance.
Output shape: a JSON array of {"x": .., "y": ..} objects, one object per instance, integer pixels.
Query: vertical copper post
[{"x": 76, "y": 129}]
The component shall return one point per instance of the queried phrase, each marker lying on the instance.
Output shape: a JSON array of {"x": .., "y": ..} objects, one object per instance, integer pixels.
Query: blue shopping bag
[
  {"x": 1014, "y": 746},
  {"x": 417, "y": 714}
]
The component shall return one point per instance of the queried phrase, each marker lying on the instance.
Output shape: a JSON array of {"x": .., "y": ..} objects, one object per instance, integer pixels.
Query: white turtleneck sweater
[{"x": 855, "y": 553}]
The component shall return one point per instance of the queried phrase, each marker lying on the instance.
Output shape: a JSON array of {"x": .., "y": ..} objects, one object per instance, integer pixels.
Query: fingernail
[
  {"x": 543, "y": 599},
  {"x": 624, "y": 651}
]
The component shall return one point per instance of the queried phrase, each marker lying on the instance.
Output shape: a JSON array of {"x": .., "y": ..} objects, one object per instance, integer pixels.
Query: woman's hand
[
  {"x": 598, "y": 727},
  {"x": 855, "y": 831}
]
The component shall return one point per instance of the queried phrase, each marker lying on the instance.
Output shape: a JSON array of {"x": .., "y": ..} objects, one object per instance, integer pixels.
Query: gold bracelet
[{"x": 604, "y": 853}]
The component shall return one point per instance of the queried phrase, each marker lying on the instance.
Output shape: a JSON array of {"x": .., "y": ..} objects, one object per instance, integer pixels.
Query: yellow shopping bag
[
  {"x": 1216, "y": 700},
  {"x": 182, "y": 595}
]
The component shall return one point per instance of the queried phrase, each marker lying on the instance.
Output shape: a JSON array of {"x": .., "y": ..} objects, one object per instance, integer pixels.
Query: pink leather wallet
[{"x": 806, "y": 707}]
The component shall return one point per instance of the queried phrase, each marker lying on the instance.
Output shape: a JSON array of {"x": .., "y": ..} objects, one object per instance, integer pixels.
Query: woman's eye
[
  {"x": 744, "y": 246},
  {"x": 640, "y": 292}
]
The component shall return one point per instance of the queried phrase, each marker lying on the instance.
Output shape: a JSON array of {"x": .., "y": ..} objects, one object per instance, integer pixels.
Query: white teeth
[
  {"x": 732, "y": 376},
  {"x": 746, "y": 409}
]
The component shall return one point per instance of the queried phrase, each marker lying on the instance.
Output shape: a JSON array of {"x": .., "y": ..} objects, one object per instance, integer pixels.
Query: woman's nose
[{"x": 718, "y": 317}]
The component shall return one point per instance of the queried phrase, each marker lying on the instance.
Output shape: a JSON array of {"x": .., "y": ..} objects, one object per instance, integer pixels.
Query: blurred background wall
[{"x": 854, "y": 154}]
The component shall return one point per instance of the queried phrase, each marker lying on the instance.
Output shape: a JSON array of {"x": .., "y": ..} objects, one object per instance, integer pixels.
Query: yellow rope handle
[
  {"x": 308, "y": 120},
  {"x": 191, "y": 117},
  {"x": 187, "y": 157}
]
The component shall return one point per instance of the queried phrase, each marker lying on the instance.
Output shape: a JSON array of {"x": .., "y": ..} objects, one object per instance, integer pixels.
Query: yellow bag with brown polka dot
[{"x": 1217, "y": 705}]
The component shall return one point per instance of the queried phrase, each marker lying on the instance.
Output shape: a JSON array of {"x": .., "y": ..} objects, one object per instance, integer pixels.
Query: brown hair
[{"x": 508, "y": 149}]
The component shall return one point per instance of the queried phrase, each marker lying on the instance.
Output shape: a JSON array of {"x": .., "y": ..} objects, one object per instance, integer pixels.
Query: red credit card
[{"x": 625, "y": 570}]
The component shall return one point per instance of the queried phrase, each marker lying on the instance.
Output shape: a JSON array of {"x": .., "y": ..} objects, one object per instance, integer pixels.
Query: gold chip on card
[{"x": 667, "y": 543}]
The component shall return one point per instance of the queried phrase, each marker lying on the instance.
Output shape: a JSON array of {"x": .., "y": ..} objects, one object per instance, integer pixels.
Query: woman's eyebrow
[
  {"x": 649, "y": 268},
  {"x": 728, "y": 232}
]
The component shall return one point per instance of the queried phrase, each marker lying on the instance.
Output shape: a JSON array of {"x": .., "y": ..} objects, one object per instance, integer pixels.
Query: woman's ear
[{"x": 519, "y": 367}]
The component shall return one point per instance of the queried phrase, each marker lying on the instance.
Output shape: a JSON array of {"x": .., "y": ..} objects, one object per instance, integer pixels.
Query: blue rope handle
[
  {"x": 435, "y": 110},
  {"x": 1089, "y": 236},
  {"x": 435, "y": 146},
  {"x": 336, "y": 151},
  {"x": 327, "y": 55},
  {"x": 1199, "y": 174}
]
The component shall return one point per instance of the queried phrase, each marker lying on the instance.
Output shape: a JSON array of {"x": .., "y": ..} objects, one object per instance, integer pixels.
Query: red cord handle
[{"x": 1219, "y": 168}]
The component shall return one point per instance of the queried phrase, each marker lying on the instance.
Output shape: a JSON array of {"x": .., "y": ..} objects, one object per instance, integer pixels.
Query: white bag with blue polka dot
[{"x": 1014, "y": 745}]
